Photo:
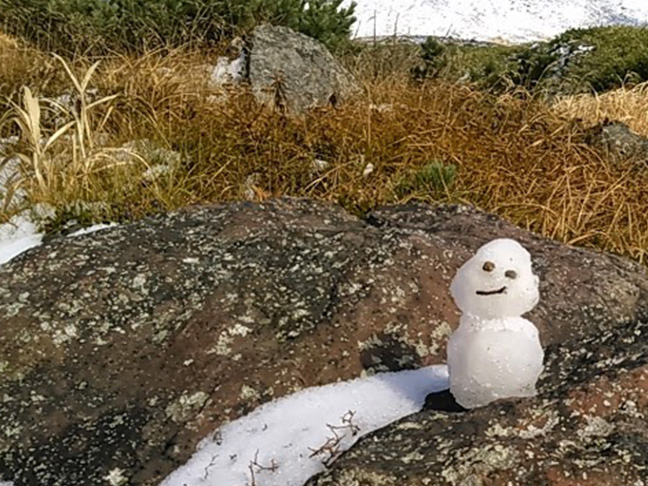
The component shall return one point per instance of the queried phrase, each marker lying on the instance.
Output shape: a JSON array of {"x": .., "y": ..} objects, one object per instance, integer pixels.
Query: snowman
[{"x": 495, "y": 353}]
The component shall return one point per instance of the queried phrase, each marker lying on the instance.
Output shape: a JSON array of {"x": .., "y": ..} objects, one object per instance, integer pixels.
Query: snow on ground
[
  {"x": 17, "y": 236},
  {"x": 274, "y": 445},
  {"x": 486, "y": 20},
  {"x": 20, "y": 233}
]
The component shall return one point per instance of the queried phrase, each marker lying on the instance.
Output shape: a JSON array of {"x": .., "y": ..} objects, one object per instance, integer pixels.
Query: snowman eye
[
  {"x": 512, "y": 274},
  {"x": 488, "y": 267}
]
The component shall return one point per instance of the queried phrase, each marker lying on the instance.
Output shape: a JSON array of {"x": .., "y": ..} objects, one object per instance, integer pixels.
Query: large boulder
[
  {"x": 288, "y": 70},
  {"x": 121, "y": 350},
  {"x": 587, "y": 427}
]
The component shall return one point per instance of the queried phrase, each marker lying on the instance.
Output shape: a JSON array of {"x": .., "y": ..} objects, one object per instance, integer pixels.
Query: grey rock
[
  {"x": 618, "y": 142},
  {"x": 558, "y": 78},
  {"x": 121, "y": 350},
  {"x": 285, "y": 69},
  {"x": 286, "y": 66}
]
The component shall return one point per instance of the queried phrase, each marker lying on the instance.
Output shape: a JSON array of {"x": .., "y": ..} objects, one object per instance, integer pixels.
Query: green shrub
[
  {"x": 434, "y": 58},
  {"x": 434, "y": 178},
  {"x": 610, "y": 57},
  {"x": 486, "y": 65},
  {"x": 324, "y": 20},
  {"x": 582, "y": 60},
  {"x": 579, "y": 60},
  {"x": 97, "y": 26}
]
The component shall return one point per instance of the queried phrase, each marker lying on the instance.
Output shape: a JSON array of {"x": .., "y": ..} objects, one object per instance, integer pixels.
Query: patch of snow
[
  {"x": 491, "y": 20},
  {"x": 156, "y": 171},
  {"x": 276, "y": 443},
  {"x": 227, "y": 71},
  {"x": 91, "y": 229},
  {"x": 368, "y": 170},
  {"x": 17, "y": 236},
  {"x": 20, "y": 233}
]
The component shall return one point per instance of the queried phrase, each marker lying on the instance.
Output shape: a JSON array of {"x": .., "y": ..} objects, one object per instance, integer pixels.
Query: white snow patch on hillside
[
  {"x": 277, "y": 440},
  {"x": 487, "y": 20}
]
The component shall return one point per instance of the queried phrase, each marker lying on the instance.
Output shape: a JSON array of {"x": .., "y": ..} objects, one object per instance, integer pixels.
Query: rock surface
[
  {"x": 587, "y": 427},
  {"x": 121, "y": 350},
  {"x": 308, "y": 72},
  {"x": 618, "y": 142},
  {"x": 288, "y": 70}
]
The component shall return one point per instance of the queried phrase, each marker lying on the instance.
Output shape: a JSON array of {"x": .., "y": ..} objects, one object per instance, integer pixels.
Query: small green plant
[
  {"x": 433, "y": 59},
  {"x": 435, "y": 178}
]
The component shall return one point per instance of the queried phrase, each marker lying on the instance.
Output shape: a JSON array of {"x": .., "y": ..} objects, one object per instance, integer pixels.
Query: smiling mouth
[{"x": 492, "y": 292}]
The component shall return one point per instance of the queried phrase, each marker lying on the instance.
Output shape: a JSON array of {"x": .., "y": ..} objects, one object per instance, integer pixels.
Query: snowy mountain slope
[{"x": 509, "y": 20}]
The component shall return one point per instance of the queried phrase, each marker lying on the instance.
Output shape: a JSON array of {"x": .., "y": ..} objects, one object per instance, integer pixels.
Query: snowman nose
[{"x": 512, "y": 274}]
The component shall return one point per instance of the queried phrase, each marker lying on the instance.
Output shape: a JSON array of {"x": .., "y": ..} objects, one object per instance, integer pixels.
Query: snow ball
[
  {"x": 497, "y": 281},
  {"x": 492, "y": 360}
]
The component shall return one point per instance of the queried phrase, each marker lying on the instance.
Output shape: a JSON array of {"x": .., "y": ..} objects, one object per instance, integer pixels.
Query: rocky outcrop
[
  {"x": 287, "y": 70},
  {"x": 587, "y": 427},
  {"x": 121, "y": 350}
]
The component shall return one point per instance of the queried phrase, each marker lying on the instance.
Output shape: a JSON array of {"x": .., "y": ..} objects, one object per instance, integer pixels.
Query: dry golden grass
[
  {"x": 21, "y": 66},
  {"x": 515, "y": 155},
  {"x": 7, "y": 42},
  {"x": 627, "y": 105}
]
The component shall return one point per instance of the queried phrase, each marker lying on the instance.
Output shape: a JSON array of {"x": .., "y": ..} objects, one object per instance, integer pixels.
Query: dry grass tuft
[
  {"x": 66, "y": 158},
  {"x": 627, "y": 105},
  {"x": 7, "y": 42},
  {"x": 21, "y": 66},
  {"x": 511, "y": 154}
]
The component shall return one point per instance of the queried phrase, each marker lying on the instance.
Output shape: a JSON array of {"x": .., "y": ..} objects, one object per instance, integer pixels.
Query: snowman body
[
  {"x": 495, "y": 353},
  {"x": 493, "y": 359}
]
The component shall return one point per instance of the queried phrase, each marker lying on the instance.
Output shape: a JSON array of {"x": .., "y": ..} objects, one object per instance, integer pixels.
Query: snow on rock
[
  {"x": 491, "y": 20},
  {"x": 22, "y": 231},
  {"x": 495, "y": 353},
  {"x": 92, "y": 229},
  {"x": 278, "y": 443}
]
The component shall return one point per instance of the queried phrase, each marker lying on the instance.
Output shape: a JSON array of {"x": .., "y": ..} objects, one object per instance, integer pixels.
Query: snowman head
[{"x": 496, "y": 282}]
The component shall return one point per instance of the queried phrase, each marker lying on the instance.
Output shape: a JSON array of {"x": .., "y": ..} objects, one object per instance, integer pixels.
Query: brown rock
[
  {"x": 587, "y": 427},
  {"x": 120, "y": 350}
]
